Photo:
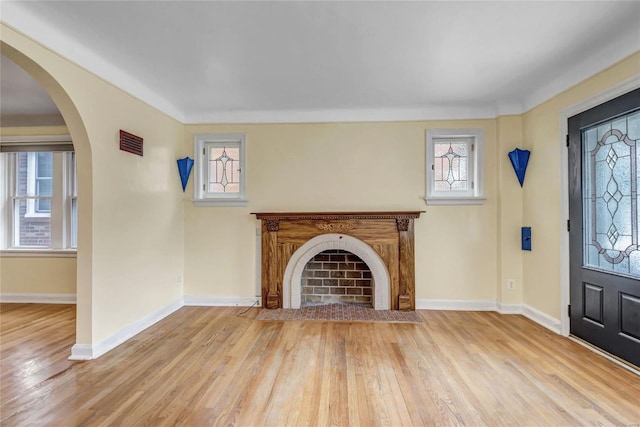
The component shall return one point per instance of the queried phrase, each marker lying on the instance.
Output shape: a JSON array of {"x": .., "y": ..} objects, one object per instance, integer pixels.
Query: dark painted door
[{"x": 604, "y": 175}]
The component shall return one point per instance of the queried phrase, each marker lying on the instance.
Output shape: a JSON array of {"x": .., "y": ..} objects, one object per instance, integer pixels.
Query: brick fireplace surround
[{"x": 384, "y": 240}]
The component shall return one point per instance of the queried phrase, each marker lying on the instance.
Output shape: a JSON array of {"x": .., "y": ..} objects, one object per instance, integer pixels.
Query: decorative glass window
[
  {"x": 40, "y": 200},
  {"x": 454, "y": 166},
  {"x": 611, "y": 168},
  {"x": 219, "y": 170}
]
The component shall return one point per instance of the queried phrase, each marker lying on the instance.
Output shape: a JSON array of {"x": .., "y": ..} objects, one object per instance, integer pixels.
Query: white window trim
[
  {"x": 6, "y": 171},
  {"x": 70, "y": 195},
  {"x": 473, "y": 197},
  {"x": 202, "y": 198},
  {"x": 38, "y": 253},
  {"x": 31, "y": 188}
]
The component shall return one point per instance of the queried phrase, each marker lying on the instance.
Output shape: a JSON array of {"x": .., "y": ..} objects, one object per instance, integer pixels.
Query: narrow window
[
  {"x": 220, "y": 170},
  {"x": 454, "y": 167}
]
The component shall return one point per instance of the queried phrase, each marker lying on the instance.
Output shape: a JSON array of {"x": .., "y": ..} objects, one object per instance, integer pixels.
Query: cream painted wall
[
  {"x": 510, "y": 254},
  {"x": 543, "y": 197},
  {"x": 38, "y": 275},
  {"x": 131, "y": 242},
  {"x": 345, "y": 167}
]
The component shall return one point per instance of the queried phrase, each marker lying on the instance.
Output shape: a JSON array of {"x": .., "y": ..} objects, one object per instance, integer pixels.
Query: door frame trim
[{"x": 619, "y": 89}]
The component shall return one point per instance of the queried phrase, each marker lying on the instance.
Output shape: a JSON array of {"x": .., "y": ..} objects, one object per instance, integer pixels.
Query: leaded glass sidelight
[
  {"x": 451, "y": 158},
  {"x": 224, "y": 169},
  {"x": 611, "y": 173}
]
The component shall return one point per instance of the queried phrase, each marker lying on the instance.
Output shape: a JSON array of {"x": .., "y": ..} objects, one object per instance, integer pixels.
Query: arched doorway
[{"x": 82, "y": 149}]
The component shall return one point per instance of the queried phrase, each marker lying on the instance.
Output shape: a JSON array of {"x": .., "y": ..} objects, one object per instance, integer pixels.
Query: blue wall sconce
[
  {"x": 526, "y": 238},
  {"x": 184, "y": 168},
  {"x": 519, "y": 160}
]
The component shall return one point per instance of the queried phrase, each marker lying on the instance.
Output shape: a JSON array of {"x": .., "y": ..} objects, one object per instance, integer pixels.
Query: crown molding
[
  {"x": 458, "y": 112},
  {"x": 588, "y": 67}
]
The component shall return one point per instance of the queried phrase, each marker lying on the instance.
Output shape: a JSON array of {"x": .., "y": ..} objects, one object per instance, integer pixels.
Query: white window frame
[
  {"x": 200, "y": 196},
  {"x": 475, "y": 168},
  {"x": 71, "y": 197},
  {"x": 32, "y": 170},
  {"x": 61, "y": 239}
]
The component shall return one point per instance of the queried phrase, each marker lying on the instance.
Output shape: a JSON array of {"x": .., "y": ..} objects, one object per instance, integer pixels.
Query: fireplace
[
  {"x": 336, "y": 276},
  {"x": 383, "y": 240}
]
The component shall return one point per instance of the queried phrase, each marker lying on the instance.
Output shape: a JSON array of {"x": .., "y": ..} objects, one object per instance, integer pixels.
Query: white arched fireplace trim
[{"x": 291, "y": 286}]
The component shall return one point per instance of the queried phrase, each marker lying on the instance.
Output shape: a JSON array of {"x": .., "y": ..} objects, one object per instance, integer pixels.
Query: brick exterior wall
[{"x": 336, "y": 276}]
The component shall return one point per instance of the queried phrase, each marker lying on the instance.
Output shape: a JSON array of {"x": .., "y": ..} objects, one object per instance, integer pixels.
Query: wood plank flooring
[{"x": 210, "y": 366}]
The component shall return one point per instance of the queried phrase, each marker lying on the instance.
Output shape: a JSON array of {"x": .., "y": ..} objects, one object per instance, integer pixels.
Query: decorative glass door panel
[
  {"x": 604, "y": 173},
  {"x": 611, "y": 173}
]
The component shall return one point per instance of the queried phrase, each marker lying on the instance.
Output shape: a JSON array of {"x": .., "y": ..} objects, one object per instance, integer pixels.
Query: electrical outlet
[
  {"x": 511, "y": 284},
  {"x": 178, "y": 281}
]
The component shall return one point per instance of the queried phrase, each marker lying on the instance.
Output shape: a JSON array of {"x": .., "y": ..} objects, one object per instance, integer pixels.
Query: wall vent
[{"x": 130, "y": 143}]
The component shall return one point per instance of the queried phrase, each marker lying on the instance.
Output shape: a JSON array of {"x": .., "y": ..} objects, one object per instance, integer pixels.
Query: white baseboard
[
  {"x": 509, "y": 308},
  {"x": 93, "y": 351},
  {"x": 214, "y": 301},
  {"x": 82, "y": 352},
  {"x": 542, "y": 319},
  {"x": 531, "y": 313},
  {"x": 88, "y": 351},
  {"x": 459, "y": 305},
  {"x": 39, "y": 298}
]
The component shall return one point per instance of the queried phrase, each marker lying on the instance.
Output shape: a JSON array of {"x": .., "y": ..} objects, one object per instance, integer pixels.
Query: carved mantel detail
[
  {"x": 272, "y": 224},
  {"x": 390, "y": 234},
  {"x": 333, "y": 227},
  {"x": 402, "y": 224}
]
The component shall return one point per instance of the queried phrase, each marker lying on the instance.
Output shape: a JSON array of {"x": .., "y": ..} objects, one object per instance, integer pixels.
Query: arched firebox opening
[
  {"x": 292, "y": 284},
  {"x": 336, "y": 276}
]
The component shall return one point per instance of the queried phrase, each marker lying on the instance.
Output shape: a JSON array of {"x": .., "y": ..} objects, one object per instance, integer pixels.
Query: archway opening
[{"x": 25, "y": 59}]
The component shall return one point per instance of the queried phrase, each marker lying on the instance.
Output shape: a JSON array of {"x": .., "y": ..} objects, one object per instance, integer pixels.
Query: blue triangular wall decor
[
  {"x": 519, "y": 160},
  {"x": 184, "y": 167}
]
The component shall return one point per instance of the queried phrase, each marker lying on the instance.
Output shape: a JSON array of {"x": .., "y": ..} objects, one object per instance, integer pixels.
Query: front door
[{"x": 604, "y": 176}]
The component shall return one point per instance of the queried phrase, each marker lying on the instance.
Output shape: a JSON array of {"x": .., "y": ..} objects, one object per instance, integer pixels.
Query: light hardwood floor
[{"x": 209, "y": 366}]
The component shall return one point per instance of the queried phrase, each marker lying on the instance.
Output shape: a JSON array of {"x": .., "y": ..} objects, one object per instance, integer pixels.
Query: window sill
[
  {"x": 37, "y": 215},
  {"x": 38, "y": 253},
  {"x": 220, "y": 202},
  {"x": 455, "y": 200}
]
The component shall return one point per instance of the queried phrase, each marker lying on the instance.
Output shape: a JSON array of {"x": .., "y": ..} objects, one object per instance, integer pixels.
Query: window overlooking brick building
[{"x": 41, "y": 198}]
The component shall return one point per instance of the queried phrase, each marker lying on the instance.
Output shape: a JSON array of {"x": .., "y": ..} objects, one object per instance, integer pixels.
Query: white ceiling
[
  {"x": 208, "y": 62},
  {"x": 23, "y": 101}
]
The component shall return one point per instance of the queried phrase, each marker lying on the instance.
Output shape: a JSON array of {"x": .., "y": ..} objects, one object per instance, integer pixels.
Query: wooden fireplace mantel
[
  {"x": 389, "y": 233},
  {"x": 338, "y": 215}
]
